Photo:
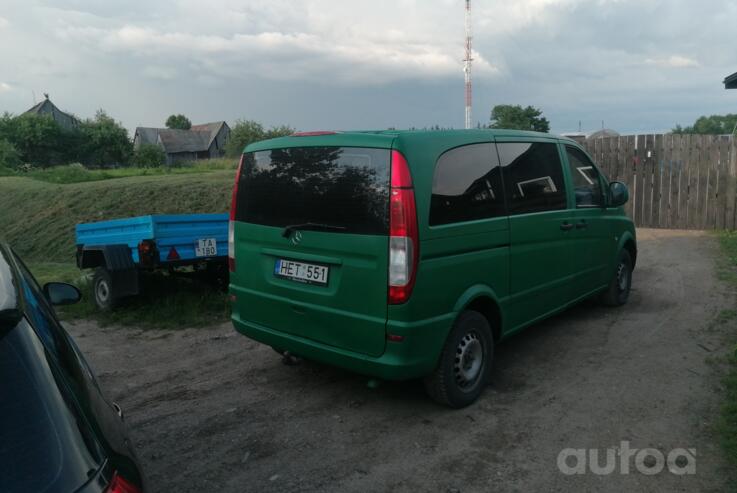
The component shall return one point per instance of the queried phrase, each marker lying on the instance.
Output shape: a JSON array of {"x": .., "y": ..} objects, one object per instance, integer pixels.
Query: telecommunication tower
[{"x": 467, "y": 65}]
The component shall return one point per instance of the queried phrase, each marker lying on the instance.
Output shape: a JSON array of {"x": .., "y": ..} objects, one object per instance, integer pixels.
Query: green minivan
[{"x": 411, "y": 254}]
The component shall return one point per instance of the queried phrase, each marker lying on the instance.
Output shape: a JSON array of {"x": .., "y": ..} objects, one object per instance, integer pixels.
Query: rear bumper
[{"x": 414, "y": 357}]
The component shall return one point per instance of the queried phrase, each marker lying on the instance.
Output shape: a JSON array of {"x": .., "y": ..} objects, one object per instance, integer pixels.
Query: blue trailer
[{"x": 120, "y": 249}]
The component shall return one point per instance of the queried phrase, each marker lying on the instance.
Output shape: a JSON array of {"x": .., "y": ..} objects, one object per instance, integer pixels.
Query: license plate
[
  {"x": 301, "y": 272},
  {"x": 207, "y": 247}
]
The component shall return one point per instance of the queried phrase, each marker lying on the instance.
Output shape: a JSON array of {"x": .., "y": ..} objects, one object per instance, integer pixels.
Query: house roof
[
  {"x": 730, "y": 82},
  {"x": 198, "y": 138},
  {"x": 148, "y": 135},
  {"x": 212, "y": 128},
  {"x": 175, "y": 141},
  {"x": 46, "y": 107}
]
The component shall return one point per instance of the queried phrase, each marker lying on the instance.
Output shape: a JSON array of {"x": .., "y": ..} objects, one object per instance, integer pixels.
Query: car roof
[{"x": 386, "y": 138}]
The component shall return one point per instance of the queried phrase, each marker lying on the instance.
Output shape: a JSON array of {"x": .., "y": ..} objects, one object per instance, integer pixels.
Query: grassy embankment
[
  {"x": 38, "y": 212},
  {"x": 728, "y": 421}
]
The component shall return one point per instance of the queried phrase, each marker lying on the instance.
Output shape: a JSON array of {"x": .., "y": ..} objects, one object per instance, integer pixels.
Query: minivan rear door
[{"x": 311, "y": 243}]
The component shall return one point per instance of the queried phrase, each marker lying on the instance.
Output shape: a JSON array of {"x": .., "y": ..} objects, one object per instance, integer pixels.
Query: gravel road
[{"x": 213, "y": 411}]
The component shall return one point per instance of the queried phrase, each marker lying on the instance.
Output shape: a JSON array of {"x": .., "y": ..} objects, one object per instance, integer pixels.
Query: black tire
[
  {"x": 103, "y": 289},
  {"x": 464, "y": 368},
  {"x": 618, "y": 291}
]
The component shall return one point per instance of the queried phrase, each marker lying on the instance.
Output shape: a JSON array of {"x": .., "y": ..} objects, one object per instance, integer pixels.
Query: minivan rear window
[{"x": 343, "y": 187}]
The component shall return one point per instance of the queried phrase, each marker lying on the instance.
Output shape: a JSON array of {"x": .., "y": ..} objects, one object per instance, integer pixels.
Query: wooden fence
[{"x": 675, "y": 181}]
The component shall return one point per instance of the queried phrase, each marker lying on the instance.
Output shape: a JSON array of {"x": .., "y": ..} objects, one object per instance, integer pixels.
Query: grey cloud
[{"x": 640, "y": 65}]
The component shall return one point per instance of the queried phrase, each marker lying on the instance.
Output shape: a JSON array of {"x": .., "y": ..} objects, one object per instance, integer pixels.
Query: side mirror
[
  {"x": 59, "y": 293},
  {"x": 618, "y": 194}
]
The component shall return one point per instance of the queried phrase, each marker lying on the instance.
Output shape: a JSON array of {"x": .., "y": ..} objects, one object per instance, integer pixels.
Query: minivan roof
[{"x": 385, "y": 138}]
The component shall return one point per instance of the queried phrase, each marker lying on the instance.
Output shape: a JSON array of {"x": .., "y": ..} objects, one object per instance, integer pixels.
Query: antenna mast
[{"x": 467, "y": 64}]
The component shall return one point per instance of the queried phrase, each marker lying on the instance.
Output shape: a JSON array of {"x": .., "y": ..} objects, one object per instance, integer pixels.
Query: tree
[
  {"x": 710, "y": 125},
  {"x": 516, "y": 117},
  {"x": 149, "y": 156},
  {"x": 105, "y": 141},
  {"x": 38, "y": 139},
  {"x": 178, "y": 122},
  {"x": 245, "y": 132},
  {"x": 9, "y": 155}
]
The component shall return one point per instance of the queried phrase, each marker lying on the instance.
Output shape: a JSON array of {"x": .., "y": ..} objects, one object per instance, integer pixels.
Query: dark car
[{"x": 58, "y": 433}]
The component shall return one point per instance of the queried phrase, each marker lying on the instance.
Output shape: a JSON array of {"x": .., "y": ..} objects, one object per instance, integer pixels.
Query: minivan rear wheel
[
  {"x": 618, "y": 291},
  {"x": 464, "y": 367}
]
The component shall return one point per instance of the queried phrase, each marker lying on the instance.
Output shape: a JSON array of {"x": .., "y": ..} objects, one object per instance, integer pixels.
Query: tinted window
[
  {"x": 585, "y": 177},
  {"x": 533, "y": 177},
  {"x": 45, "y": 444},
  {"x": 339, "y": 186},
  {"x": 467, "y": 185},
  {"x": 38, "y": 309},
  {"x": 42, "y": 317}
]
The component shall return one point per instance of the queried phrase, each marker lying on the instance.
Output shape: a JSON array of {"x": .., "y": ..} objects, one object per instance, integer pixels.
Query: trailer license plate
[
  {"x": 207, "y": 247},
  {"x": 301, "y": 272}
]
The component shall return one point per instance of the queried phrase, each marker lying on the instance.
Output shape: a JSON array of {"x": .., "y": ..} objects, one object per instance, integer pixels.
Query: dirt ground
[{"x": 211, "y": 410}]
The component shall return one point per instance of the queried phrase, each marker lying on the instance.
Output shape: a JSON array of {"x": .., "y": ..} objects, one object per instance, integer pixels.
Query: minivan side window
[
  {"x": 533, "y": 177},
  {"x": 586, "y": 180},
  {"x": 467, "y": 185}
]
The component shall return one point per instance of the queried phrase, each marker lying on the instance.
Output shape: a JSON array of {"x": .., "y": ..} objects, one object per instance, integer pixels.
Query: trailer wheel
[{"x": 102, "y": 286}]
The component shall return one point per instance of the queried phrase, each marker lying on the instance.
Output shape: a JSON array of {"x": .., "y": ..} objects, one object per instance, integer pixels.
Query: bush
[
  {"x": 70, "y": 173},
  {"x": 149, "y": 156},
  {"x": 38, "y": 139},
  {"x": 9, "y": 155}
]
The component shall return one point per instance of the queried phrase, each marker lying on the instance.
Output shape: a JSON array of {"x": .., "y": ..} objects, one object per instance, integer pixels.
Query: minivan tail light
[
  {"x": 403, "y": 232},
  {"x": 233, "y": 208}
]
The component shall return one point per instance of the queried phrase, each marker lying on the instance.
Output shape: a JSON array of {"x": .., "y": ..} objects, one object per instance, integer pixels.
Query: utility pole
[{"x": 467, "y": 65}]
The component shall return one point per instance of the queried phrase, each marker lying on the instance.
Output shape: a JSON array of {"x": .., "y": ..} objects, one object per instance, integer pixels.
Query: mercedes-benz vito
[{"x": 407, "y": 254}]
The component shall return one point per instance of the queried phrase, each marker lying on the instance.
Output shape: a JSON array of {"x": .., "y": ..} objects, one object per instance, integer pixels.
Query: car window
[
  {"x": 586, "y": 179},
  {"x": 45, "y": 442},
  {"x": 38, "y": 310},
  {"x": 467, "y": 185},
  {"x": 533, "y": 177},
  {"x": 43, "y": 318},
  {"x": 347, "y": 187}
]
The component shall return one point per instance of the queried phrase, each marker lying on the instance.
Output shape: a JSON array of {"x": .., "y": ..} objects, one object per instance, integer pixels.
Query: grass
[
  {"x": 37, "y": 218},
  {"x": 76, "y": 173},
  {"x": 165, "y": 301},
  {"x": 727, "y": 269}
]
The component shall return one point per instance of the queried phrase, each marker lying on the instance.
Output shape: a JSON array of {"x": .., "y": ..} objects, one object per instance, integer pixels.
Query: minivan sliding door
[{"x": 540, "y": 229}]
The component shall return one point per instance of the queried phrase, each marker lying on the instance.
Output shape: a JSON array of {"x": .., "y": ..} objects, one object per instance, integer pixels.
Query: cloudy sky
[{"x": 638, "y": 65}]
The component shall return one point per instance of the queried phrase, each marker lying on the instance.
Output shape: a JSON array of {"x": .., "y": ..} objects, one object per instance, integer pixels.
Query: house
[
  {"x": 47, "y": 108},
  {"x": 730, "y": 82},
  {"x": 199, "y": 142}
]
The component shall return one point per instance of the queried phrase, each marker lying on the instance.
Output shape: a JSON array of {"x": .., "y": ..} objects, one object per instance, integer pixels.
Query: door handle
[
  {"x": 566, "y": 226},
  {"x": 582, "y": 225}
]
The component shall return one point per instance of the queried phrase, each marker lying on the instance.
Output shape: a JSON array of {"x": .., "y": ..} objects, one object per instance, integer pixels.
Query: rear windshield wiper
[{"x": 288, "y": 230}]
